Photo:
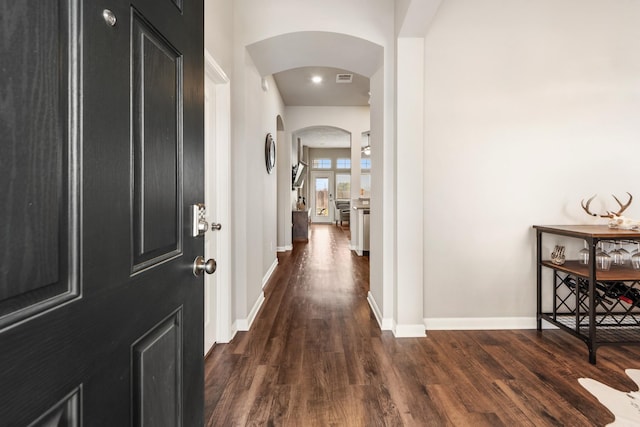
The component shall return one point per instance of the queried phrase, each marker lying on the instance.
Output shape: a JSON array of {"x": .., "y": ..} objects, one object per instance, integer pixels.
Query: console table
[
  {"x": 300, "y": 220},
  {"x": 599, "y": 307}
]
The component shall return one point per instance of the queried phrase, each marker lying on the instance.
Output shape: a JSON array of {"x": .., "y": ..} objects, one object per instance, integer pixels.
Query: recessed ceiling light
[{"x": 316, "y": 79}]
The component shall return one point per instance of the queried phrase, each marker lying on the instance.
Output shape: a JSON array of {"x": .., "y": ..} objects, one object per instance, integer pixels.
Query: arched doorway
[{"x": 312, "y": 48}]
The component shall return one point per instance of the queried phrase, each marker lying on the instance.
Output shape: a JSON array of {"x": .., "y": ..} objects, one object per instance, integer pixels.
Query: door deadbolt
[
  {"x": 200, "y": 266},
  {"x": 199, "y": 224}
]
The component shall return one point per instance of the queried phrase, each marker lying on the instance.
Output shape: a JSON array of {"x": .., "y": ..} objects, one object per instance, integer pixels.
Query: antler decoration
[{"x": 609, "y": 214}]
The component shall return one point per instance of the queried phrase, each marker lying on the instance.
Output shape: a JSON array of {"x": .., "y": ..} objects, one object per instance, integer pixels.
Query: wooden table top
[{"x": 589, "y": 230}]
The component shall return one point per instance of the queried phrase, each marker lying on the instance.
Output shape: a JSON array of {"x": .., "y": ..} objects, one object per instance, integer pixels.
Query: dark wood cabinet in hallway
[{"x": 315, "y": 356}]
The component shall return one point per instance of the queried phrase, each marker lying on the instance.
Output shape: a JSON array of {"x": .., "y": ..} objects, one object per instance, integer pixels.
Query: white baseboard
[
  {"x": 245, "y": 324},
  {"x": 479, "y": 323},
  {"x": 234, "y": 331},
  {"x": 284, "y": 248},
  {"x": 385, "y": 324},
  {"x": 267, "y": 276},
  {"x": 255, "y": 310},
  {"x": 409, "y": 331},
  {"x": 374, "y": 308},
  {"x": 399, "y": 331}
]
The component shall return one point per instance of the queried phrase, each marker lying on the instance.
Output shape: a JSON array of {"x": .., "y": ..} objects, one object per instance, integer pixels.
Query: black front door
[{"x": 101, "y": 147}]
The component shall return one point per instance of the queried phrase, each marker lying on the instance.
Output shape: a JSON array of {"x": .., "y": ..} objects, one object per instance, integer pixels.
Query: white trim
[
  {"x": 225, "y": 327},
  {"x": 385, "y": 324},
  {"x": 245, "y": 324},
  {"x": 210, "y": 239},
  {"x": 284, "y": 248},
  {"x": 267, "y": 276},
  {"x": 479, "y": 323},
  {"x": 234, "y": 330},
  {"x": 409, "y": 331},
  {"x": 214, "y": 70},
  {"x": 375, "y": 308}
]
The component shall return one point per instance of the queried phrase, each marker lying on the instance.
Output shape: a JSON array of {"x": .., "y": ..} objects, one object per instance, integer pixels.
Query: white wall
[
  {"x": 330, "y": 153},
  {"x": 408, "y": 313},
  {"x": 530, "y": 107},
  {"x": 218, "y": 32},
  {"x": 368, "y": 19},
  {"x": 284, "y": 156},
  {"x": 254, "y": 195},
  {"x": 351, "y": 119},
  {"x": 382, "y": 262}
]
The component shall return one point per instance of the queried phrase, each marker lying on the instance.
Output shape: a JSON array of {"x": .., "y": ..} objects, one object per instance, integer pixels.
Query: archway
[
  {"x": 312, "y": 48},
  {"x": 331, "y": 49}
]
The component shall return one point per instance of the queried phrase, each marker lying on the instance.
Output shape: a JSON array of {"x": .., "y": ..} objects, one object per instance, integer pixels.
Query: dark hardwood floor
[{"x": 316, "y": 357}]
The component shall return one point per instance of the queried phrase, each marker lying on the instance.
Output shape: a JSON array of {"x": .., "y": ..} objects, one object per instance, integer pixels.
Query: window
[
  {"x": 343, "y": 186},
  {"x": 365, "y": 163},
  {"x": 321, "y": 164},
  {"x": 343, "y": 164},
  {"x": 322, "y": 197},
  {"x": 365, "y": 185}
]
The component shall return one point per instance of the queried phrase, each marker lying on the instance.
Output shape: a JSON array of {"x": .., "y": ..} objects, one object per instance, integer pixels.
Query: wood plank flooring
[{"x": 315, "y": 356}]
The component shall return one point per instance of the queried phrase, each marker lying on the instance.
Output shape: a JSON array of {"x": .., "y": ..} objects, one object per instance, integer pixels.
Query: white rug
[{"x": 625, "y": 406}]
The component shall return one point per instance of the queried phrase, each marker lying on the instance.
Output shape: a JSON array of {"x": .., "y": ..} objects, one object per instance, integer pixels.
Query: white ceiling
[{"x": 297, "y": 89}]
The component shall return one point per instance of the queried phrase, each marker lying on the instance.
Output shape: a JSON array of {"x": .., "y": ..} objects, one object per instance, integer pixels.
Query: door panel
[
  {"x": 157, "y": 375},
  {"x": 157, "y": 138},
  {"x": 65, "y": 413},
  {"x": 37, "y": 270},
  {"x": 94, "y": 231}
]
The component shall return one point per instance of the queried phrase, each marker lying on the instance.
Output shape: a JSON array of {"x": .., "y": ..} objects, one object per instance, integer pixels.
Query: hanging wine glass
[
  {"x": 616, "y": 254},
  {"x": 635, "y": 257},
  {"x": 626, "y": 256},
  {"x": 603, "y": 260},
  {"x": 583, "y": 254}
]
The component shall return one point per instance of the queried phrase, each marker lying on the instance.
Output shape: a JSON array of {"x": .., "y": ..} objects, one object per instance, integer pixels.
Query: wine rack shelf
[{"x": 599, "y": 307}]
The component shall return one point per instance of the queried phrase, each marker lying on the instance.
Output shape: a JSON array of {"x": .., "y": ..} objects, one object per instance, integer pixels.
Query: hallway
[
  {"x": 302, "y": 359},
  {"x": 315, "y": 356}
]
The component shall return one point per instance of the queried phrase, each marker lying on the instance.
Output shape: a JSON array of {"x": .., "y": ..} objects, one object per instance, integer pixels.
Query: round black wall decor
[{"x": 270, "y": 153}]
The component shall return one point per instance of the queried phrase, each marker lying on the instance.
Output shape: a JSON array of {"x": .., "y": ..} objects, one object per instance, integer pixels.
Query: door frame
[
  {"x": 219, "y": 197},
  {"x": 312, "y": 188}
]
